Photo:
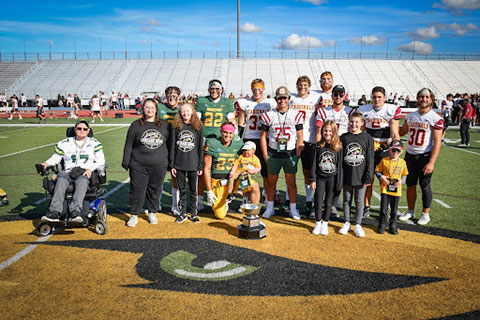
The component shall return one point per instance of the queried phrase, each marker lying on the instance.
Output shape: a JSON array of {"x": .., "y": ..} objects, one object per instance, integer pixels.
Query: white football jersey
[
  {"x": 325, "y": 99},
  {"x": 282, "y": 126},
  {"x": 95, "y": 104},
  {"x": 420, "y": 131},
  {"x": 307, "y": 108},
  {"x": 87, "y": 154},
  {"x": 341, "y": 117},
  {"x": 253, "y": 112},
  {"x": 377, "y": 122}
]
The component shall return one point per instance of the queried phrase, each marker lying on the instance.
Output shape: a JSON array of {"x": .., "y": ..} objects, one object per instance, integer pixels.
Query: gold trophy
[{"x": 251, "y": 227}]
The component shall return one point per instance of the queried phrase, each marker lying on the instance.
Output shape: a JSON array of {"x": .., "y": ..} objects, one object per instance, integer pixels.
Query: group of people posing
[{"x": 218, "y": 146}]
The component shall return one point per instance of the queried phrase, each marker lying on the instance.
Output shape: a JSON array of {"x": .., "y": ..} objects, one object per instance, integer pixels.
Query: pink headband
[{"x": 228, "y": 127}]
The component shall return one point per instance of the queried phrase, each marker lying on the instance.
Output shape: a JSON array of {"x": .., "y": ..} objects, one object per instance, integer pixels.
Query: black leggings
[
  {"x": 392, "y": 201},
  {"x": 182, "y": 187},
  {"x": 145, "y": 181},
  {"x": 325, "y": 188}
]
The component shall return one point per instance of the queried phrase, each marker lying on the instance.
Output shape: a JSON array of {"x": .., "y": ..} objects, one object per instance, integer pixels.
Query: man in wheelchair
[{"x": 82, "y": 155}]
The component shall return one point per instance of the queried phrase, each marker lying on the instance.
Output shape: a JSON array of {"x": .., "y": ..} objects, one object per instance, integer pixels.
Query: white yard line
[
  {"x": 28, "y": 249},
  {"x": 14, "y": 130},
  {"x": 464, "y": 149},
  {"x": 440, "y": 202},
  {"x": 47, "y": 145},
  {"x": 23, "y": 252}
]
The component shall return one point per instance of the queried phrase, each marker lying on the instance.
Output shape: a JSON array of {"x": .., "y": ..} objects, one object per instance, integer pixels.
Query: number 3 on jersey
[
  {"x": 416, "y": 137},
  {"x": 213, "y": 119}
]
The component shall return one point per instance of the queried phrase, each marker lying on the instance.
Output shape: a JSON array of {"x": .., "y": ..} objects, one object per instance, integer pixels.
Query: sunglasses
[
  {"x": 335, "y": 94},
  {"x": 396, "y": 150},
  {"x": 80, "y": 129},
  {"x": 282, "y": 98},
  {"x": 216, "y": 89}
]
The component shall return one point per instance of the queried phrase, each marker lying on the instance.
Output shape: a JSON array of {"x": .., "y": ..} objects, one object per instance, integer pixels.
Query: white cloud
[
  {"x": 457, "y": 5},
  {"x": 424, "y": 33},
  {"x": 293, "y": 42},
  {"x": 250, "y": 28},
  {"x": 315, "y": 2},
  {"x": 371, "y": 40},
  {"x": 460, "y": 30},
  {"x": 151, "y": 22},
  {"x": 418, "y": 47}
]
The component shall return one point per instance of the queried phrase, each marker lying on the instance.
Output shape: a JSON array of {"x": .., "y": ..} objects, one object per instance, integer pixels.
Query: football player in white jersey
[
  {"x": 249, "y": 112},
  {"x": 424, "y": 128},
  {"x": 305, "y": 102},
  {"x": 283, "y": 128},
  {"x": 96, "y": 111},
  {"x": 381, "y": 122},
  {"x": 326, "y": 82}
]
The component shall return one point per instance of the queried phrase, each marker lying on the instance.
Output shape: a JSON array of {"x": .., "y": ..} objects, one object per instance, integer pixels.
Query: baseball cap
[
  {"x": 338, "y": 88},
  {"x": 282, "y": 91},
  {"x": 82, "y": 121},
  {"x": 396, "y": 144},
  {"x": 249, "y": 145}
]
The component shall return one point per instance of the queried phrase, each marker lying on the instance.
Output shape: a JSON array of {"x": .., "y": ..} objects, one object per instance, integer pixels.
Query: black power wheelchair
[{"x": 94, "y": 209}]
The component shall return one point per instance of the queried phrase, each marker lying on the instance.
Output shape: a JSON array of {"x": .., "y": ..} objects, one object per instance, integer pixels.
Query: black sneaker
[
  {"x": 181, "y": 218},
  {"x": 75, "y": 217},
  {"x": 393, "y": 229},
  {"x": 230, "y": 197},
  {"x": 194, "y": 218},
  {"x": 381, "y": 228},
  {"x": 51, "y": 216},
  {"x": 366, "y": 212}
]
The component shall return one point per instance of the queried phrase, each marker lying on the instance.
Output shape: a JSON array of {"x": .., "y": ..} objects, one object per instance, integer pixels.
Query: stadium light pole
[{"x": 238, "y": 28}]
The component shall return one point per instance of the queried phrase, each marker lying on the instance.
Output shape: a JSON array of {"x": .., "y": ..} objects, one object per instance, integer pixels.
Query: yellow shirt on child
[
  {"x": 394, "y": 170},
  {"x": 242, "y": 163}
]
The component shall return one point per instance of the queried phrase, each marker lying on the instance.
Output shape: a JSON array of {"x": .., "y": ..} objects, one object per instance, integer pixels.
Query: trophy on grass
[{"x": 251, "y": 227}]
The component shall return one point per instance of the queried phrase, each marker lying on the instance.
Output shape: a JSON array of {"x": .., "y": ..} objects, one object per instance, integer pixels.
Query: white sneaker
[
  {"x": 295, "y": 215},
  {"x": 324, "y": 228},
  {"x": 407, "y": 215},
  {"x": 317, "y": 229},
  {"x": 132, "y": 222},
  {"x": 424, "y": 219},
  {"x": 359, "y": 231},
  {"x": 152, "y": 218},
  {"x": 345, "y": 228},
  {"x": 268, "y": 213}
]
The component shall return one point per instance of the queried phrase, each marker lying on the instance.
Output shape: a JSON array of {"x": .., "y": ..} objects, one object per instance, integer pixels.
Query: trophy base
[{"x": 251, "y": 233}]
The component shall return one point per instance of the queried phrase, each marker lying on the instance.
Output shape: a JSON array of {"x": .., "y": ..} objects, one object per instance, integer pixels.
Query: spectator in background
[
  {"x": 23, "y": 100},
  {"x": 447, "y": 108},
  {"x": 401, "y": 102},
  {"x": 96, "y": 110},
  {"x": 231, "y": 97},
  {"x": 77, "y": 103},
  {"x": 114, "y": 101},
  {"x": 126, "y": 101},
  {"x": 3, "y": 100},
  {"x": 456, "y": 109},
  {"x": 475, "y": 106},
  {"x": 14, "y": 110},
  {"x": 103, "y": 102},
  {"x": 40, "y": 111},
  {"x": 120, "y": 101},
  {"x": 390, "y": 98},
  {"x": 465, "y": 121},
  {"x": 362, "y": 100}
]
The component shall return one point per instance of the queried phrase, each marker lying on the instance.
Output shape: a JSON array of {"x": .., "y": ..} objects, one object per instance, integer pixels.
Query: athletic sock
[
  {"x": 293, "y": 207},
  {"x": 269, "y": 204},
  {"x": 308, "y": 193}
]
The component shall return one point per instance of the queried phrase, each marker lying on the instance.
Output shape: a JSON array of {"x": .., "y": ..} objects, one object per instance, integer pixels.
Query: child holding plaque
[
  {"x": 242, "y": 171},
  {"x": 390, "y": 171}
]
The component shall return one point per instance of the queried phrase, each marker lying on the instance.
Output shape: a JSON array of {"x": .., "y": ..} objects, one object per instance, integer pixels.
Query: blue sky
[{"x": 318, "y": 25}]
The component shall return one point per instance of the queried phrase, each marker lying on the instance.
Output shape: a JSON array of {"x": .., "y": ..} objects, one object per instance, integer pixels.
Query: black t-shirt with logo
[
  {"x": 187, "y": 149},
  {"x": 147, "y": 145},
  {"x": 358, "y": 158}
]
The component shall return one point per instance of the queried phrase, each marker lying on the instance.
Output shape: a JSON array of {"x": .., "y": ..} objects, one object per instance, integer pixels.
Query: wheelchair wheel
[
  {"x": 100, "y": 227},
  {"x": 43, "y": 229},
  {"x": 102, "y": 211}
]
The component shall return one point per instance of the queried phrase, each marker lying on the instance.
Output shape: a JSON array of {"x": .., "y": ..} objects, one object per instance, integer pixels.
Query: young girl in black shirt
[
  {"x": 326, "y": 175},
  {"x": 187, "y": 159}
]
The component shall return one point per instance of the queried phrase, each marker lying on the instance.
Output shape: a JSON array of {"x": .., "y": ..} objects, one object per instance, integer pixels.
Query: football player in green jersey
[
  {"x": 220, "y": 154},
  {"x": 213, "y": 110},
  {"x": 167, "y": 111}
]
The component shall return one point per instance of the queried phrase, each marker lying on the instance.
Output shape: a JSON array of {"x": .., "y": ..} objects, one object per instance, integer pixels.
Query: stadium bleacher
[{"x": 87, "y": 77}]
